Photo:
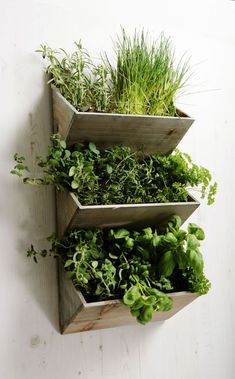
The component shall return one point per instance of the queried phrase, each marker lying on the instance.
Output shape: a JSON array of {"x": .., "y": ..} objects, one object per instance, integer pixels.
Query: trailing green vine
[
  {"x": 141, "y": 267},
  {"x": 117, "y": 175}
]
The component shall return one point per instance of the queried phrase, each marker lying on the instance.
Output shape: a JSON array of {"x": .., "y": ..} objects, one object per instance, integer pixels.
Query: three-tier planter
[{"x": 154, "y": 135}]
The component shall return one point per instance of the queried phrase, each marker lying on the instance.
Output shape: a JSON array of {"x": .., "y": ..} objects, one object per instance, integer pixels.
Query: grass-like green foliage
[
  {"x": 141, "y": 267},
  {"x": 119, "y": 176},
  {"x": 144, "y": 79}
]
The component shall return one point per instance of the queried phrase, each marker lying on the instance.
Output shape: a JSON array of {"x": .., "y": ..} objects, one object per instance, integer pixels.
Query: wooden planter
[
  {"x": 71, "y": 214},
  {"x": 154, "y": 133},
  {"x": 76, "y": 315}
]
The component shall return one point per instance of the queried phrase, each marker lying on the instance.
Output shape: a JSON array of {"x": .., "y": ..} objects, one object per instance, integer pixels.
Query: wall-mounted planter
[
  {"x": 76, "y": 315},
  {"x": 155, "y": 134},
  {"x": 71, "y": 214}
]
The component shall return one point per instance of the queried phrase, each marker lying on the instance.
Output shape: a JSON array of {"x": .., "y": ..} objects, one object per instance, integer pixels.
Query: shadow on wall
[{"x": 37, "y": 221}]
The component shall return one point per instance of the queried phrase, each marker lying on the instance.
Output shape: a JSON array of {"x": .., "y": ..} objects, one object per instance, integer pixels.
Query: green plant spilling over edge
[
  {"x": 118, "y": 176},
  {"x": 139, "y": 267},
  {"x": 145, "y": 79}
]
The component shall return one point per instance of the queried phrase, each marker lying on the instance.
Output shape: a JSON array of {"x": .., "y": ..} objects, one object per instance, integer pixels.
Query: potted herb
[
  {"x": 118, "y": 187},
  {"x": 116, "y": 276},
  {"x": 129, "y": 103}
]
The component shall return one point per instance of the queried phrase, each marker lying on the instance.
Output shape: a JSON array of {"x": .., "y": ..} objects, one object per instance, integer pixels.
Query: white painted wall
[{"x": 199, "y": 342}]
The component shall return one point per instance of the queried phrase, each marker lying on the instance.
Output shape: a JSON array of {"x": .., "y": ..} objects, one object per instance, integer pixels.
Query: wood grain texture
[
  {"x": 76, "y": 315},
  {"x": 71, "y": 214},
  {"x": 154, "y": 134}
]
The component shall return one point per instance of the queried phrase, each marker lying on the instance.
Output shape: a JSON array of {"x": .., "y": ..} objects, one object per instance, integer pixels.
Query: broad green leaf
[
  {"x": 166, "y": 264},
  {"x": 131, "y": 295},
  {"x": 197, "y": 231},
  {"x": 196, "y": 261},
  {"x": 192, "y": 242},
  {"x": 170, "y": 238}
]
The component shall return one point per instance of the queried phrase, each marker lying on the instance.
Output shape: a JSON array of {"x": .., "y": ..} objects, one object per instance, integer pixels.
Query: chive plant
[{"x": 145, "y": 79}]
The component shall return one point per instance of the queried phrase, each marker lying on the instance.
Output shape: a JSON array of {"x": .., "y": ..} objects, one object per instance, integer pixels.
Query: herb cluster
[
  {"x": 117, "y": 175},
  {"x": 145, "y": 79},
  {"x": 141, "y": 267}
]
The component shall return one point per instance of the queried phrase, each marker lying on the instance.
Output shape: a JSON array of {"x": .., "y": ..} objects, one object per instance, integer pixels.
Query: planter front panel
[
  {"x": 71, "y": 214},
  {"x": 76, "y": 315},
  {"x": 155, "y": 134}
]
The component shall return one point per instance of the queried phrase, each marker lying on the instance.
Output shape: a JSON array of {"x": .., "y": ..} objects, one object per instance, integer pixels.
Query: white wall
[{"x": 199, "y": 342}]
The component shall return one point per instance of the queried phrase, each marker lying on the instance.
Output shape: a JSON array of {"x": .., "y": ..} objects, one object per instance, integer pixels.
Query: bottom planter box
[
  {"x": 72, "y": 214},
  {"x": 76, "y": 315}
]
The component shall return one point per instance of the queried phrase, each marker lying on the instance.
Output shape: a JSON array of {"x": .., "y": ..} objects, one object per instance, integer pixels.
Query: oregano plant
[{"x": 118, "y": 175}]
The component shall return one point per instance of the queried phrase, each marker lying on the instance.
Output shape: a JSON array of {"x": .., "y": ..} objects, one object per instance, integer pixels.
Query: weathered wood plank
[
  {"x": 76, "y": 315},
  {"x": 63, "y": 114},
  {"x": 156, "y": 134},
  {"x": 72, "y": 214}
]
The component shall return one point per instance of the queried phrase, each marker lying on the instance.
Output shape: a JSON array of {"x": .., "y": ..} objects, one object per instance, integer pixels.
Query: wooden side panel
[
  {"x": 155, "y": 134},
  {"x": 66, "y": 208},
  {"x": 63, "y": 114},
  {"x": 70, "y": 303},
  {"x": 109, "y": 314}
]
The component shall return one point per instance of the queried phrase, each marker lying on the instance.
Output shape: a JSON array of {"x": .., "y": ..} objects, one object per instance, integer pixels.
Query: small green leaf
[
  {"x": 121, "y": 233},
  {"x": 94, "y": 264},
  {"x": 93, "y": 148},
  {"x": 63, "y": 144},
  {"x": 68, "y": 263},
  {"x": 15, "y": 172},
  {"x": 109, "y": 169},
  {"x": 113, "y": 256},
  {"x": 74, "y": 184},
  {"x": 72, "y": 171}
]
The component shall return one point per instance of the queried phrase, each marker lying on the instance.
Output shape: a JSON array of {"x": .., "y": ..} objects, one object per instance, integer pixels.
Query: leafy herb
[
  {"x": 141, "y": 267},
  {"x": 117, "y": 175},
  {"x": 145, "y": 79}
]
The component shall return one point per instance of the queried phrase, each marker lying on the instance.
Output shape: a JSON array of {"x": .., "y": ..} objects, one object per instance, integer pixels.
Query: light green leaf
[
  {"x": 72, "y": 171},
  {"x": 74, "y": 184},
  {"x": 93, "y": 148},
  {"x": 109, "y": 169}
]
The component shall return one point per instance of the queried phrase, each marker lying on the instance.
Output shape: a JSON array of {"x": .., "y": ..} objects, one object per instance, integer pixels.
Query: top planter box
[{"x": 156, "y": 134}]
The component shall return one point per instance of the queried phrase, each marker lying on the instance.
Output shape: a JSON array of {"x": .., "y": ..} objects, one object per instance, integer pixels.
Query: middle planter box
[{"x": 72, "y": 214}]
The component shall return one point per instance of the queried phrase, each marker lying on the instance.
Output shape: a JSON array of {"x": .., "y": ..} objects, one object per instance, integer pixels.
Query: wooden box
[
  {"x": 71, "y": 214},
  {"x": 76, "y": 315},
  {"x": 156, "y": 134}
]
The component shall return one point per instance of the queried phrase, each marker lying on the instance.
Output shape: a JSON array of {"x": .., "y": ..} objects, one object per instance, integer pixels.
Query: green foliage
[
  {"x": 83, "y": 84},
  {"x": 141, "y": 267},
  {"x": 117, "y": 175},
  {"x": 144, "y": 80}
]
